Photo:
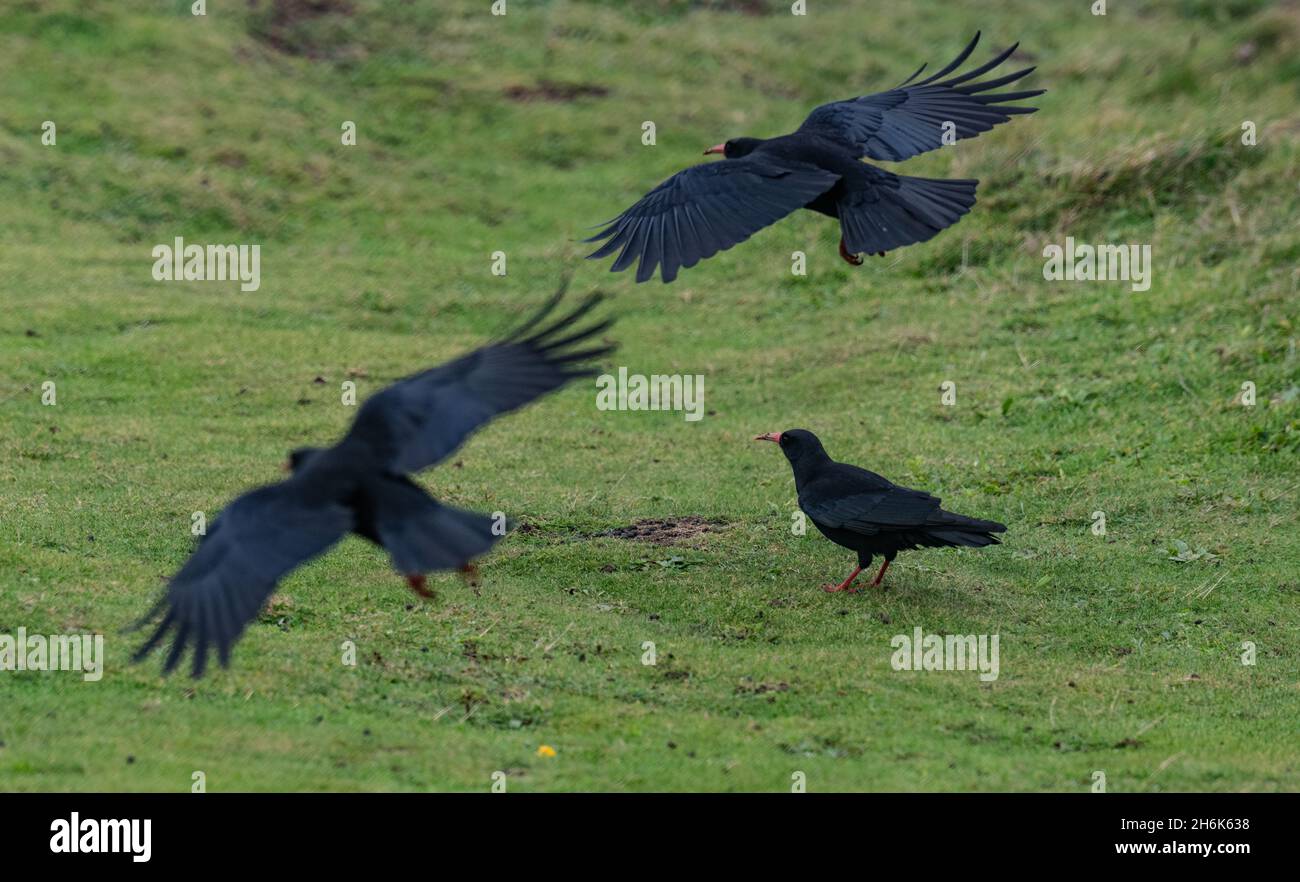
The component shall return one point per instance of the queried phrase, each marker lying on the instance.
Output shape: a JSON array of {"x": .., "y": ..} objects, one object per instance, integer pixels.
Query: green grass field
[{"x": 479, "y": 133}]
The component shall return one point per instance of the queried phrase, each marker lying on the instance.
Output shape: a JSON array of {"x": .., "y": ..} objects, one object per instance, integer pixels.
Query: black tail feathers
[
  {"x": 422, "y": 535},
  {"x": 898, "y": 210}
]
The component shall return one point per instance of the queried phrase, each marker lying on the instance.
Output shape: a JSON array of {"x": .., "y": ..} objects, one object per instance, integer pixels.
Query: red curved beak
[
  {"x": 769, "y": 436},
  {"x": 716, "y": 148}
]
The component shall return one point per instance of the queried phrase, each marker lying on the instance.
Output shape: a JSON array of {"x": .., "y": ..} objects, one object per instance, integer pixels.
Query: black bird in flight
[
  {"x": 709, "y": 208},
  {"x": 360, "y": 485},
  {"x": 864, "y": 512}
]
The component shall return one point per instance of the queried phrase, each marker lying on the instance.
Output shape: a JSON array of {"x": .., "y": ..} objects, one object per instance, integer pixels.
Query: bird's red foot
[
  {"x": 470, "y": 572},
  {"x": 846, "y": 586},
  {"x": 419, "y": 584},
  {"x": 880, "y": 254},
  {"x": 831, "y": 589},
  {"x": 850, "y": 258}
]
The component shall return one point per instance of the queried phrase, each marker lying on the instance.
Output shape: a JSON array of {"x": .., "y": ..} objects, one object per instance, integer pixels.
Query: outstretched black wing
[
  {"x": 910, "y": 119},
  {"x": 706, "y": 209},
  {"x": 259, "y": 538},
  {"x": 416, "y": 422}
]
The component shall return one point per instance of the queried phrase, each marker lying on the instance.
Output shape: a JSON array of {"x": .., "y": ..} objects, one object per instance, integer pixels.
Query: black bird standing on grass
[
  {"x": 862, "y": 511},
  {"x": 360, "y": 485},
  {"x": 709, "y": 208}
]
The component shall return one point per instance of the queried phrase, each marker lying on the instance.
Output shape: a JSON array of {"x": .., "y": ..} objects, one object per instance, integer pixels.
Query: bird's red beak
[
  {"x": 769, "y": 436},
  {"x": 716, "y": 148}
]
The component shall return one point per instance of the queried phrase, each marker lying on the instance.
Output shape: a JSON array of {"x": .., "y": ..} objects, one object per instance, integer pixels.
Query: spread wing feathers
[
  {"x": 706, "y": 209},
  {"x": 416, "y": 422},
  {"x": 897, "y": 210},
  {"x": 259, "y": 538},
  {"x": 910, "y": 118}
]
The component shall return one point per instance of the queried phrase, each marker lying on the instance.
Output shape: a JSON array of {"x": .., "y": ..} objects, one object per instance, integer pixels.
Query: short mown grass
[{"x": 479, "y": 134}]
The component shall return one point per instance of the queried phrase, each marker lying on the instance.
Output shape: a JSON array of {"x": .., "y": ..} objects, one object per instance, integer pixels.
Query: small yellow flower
[{"x": 546, "y": 750}]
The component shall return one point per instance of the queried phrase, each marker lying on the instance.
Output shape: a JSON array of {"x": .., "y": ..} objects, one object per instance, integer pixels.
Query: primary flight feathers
[
  {"x": 909, "y": 119},
  {"x": 360, "y": 485},
  {"x": 709, "y": 208}
]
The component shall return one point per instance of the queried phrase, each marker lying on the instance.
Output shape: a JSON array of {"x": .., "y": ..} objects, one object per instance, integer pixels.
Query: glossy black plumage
[
  {"x": 360, "y": 485},
  {"x": 708, "y": 208},
  {"x": 867, "y": 513}
]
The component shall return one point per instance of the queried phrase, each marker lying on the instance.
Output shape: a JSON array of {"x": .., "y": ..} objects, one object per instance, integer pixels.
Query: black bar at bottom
[{"x": 211, "y": 831}]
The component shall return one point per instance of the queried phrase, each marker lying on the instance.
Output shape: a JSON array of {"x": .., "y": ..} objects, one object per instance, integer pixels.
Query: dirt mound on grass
[{"x": 666, "y": 531}]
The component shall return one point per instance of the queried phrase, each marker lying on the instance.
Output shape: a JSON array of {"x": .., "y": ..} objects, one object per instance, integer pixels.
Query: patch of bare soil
[
  {"x": 311, "y": 28},
  {"x": 666, "y": 531},
  {"x": 744, "y": 7},
  {"x": 549, "y": 90}
]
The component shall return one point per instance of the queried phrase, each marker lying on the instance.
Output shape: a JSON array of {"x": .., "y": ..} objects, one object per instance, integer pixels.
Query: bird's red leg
[
  {"x": 418, "y": 582},
  {"x": 880, "y": 575},
  {"x": 470, "y": 572},
  {"x": 844, "y": 586},
  {"x": 850, "y": 258}
]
